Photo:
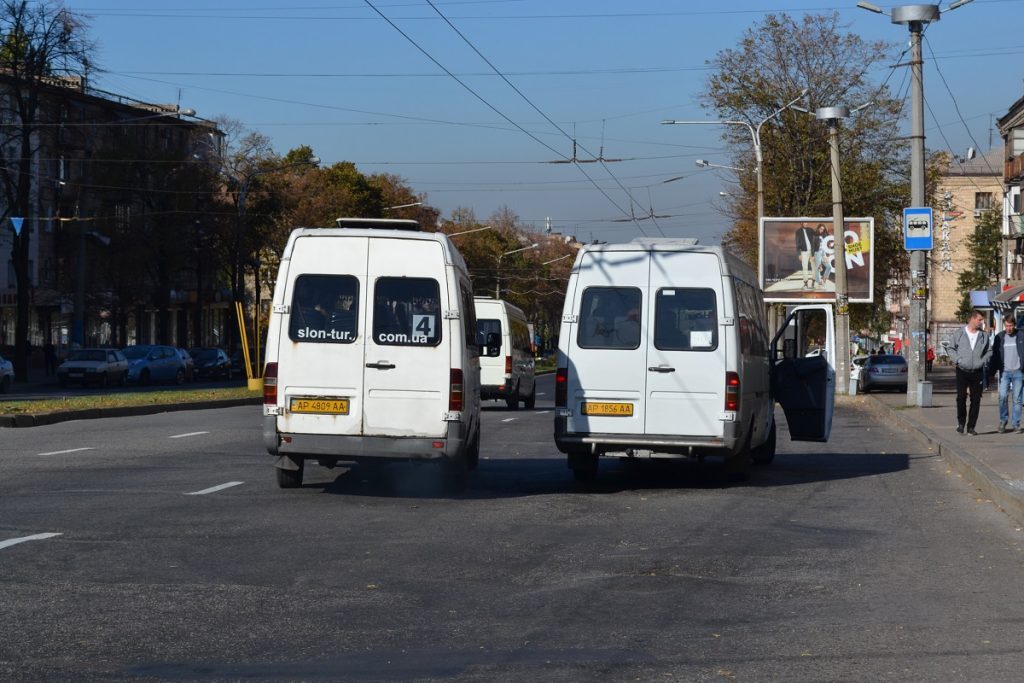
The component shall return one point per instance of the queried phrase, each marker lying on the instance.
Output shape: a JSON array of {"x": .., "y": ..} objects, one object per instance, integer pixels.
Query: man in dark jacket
[{"x": 1007, "y": 356}]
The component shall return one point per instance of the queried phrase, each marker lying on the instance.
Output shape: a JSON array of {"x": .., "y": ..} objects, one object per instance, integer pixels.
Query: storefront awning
[{"x": 1008, "y": 300}]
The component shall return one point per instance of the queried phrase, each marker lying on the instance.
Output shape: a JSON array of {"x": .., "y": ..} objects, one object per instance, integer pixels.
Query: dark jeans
[{"x": 968, "y": 381}]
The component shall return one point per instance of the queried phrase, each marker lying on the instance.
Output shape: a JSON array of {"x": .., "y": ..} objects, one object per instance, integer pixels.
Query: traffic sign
[
  {"x": 16, "y": 221},
  {"x": 917, "y": 229}
]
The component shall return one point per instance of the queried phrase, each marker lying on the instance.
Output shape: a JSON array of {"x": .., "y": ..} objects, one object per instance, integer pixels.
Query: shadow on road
[{"x": 511, "y": 478}]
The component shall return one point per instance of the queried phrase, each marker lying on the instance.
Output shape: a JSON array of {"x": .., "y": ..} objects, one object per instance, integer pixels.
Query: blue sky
[{"x": 334, "y": 75}]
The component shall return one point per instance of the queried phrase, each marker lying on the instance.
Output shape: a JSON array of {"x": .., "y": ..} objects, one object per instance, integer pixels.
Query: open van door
[{"x": 803, "y": 355}]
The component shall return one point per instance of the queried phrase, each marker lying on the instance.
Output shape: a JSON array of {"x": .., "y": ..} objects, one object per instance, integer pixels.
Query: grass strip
[{"x": 59, "y": 404}]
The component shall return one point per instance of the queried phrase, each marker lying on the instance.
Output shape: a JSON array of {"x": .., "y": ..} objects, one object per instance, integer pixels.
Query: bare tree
[{"x": 40, "y": 42}]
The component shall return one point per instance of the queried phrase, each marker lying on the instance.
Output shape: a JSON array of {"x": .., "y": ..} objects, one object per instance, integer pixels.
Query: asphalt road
[{"x": 178, "y": 558}]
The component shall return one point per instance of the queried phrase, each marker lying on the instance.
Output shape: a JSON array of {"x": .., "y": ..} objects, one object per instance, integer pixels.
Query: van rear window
[
  {"x": 685, "y": 320},
  {"x": 406, "y": 312},
  {"x": 609, "y": 318},
  {"x": 325, "y": 309}
]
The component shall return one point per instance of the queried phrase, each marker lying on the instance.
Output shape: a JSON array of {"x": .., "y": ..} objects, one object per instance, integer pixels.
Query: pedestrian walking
[
  {"x": 50, "y": 358},
  {"x": 970, "y": 350},
  {"x": 1007, "y": 352},
  {"x": 929, "y": 359}
]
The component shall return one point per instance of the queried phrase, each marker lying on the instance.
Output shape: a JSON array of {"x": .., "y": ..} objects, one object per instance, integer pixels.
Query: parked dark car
[
  {"x": 190, "y": 365},
  {"x": 154, "y": 363},
  {"x": 212, "y": 363},
  {"x": 93, "y": 366},
  {"x": 885, "y": 371}
]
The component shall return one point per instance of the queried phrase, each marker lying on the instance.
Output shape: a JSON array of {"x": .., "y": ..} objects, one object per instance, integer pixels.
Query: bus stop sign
[{"x": 917, "y": 229}]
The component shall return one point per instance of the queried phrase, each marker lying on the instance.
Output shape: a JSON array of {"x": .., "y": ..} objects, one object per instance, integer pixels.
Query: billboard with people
[{"x": 797, "y": 260}]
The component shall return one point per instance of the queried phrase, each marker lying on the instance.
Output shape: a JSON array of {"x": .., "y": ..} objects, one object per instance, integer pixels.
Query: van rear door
[
  {"x": 320, "y": 350},
  {"x": 408, "y": 349},
  {"x": 606, "y": 350},
  {"x": 685, "y": 367}
]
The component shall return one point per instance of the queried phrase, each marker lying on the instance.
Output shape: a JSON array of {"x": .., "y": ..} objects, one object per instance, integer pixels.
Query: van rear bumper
[
  {"x": 342, "y": 447},
  {"x": 494, "y": 391},
  {"x": 678, "y": 444}
]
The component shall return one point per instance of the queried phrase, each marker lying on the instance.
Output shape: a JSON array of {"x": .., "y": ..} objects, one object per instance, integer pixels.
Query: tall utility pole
[
  {"x": 833, "y": 115},
  {"x": 916, "y": 17}
]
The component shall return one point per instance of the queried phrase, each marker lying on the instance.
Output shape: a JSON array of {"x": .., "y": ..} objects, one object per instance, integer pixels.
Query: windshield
[
  {"x": 88, "y": 356},
  {"x": 136, "y": 352}
]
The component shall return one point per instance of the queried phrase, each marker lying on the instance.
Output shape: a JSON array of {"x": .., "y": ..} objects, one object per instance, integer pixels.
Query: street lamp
[
  {"x": 466, "y": 232},
  {"x": 497, "y": 275},
  {"x": 402, "y": 206},
  {"x": 755, "y": 135},
  {"x": 916, "y": 17},
  {"x": 704, "y": 163},
  {"x": 557, "y": 259}
]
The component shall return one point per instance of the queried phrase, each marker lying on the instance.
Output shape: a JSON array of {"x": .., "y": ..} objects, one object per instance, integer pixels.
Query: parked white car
[{"x": 94, "y": 366}]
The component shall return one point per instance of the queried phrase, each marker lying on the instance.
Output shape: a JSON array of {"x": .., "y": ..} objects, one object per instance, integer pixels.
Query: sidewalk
[{"x": 992, "y": 462}]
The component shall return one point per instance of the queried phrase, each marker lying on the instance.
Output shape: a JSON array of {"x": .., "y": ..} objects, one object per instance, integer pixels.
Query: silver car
[
  {"x": 884, "y": 371},
  {"x": 101, "y": 367}
]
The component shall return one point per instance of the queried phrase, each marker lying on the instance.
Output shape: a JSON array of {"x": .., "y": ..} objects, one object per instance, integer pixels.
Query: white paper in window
[{"x": 700, "y": 339}]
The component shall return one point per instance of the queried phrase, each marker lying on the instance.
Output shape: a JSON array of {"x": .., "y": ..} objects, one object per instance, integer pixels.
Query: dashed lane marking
[
  {"x": 182, "y": 436},
  {"x": 214, "y": 489},
  {"x": 70, "y": 450},
  {"x": 508, "y": 419},
  {"x": 542, "y": 412},
  {"x": 15, "y": 541}
]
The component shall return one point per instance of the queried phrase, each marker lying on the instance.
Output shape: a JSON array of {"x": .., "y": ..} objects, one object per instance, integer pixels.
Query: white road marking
[
  {"x": 508, "y": 419},
  {"x": 15, "y": 541},
  {"x": 182, "y": 436},
  {"x": 541, "y": 393},
  {"x": 214, "y": 489},
  {"x": 542, "y": 412},
  {"x": 70, "y": 450}
]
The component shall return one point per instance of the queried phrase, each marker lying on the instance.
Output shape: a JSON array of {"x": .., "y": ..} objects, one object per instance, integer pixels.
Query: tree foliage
[
  {"x": 38, "y": 41},
  {"x": 985, "y": 248},
  {"x": 774, "y": 61}
]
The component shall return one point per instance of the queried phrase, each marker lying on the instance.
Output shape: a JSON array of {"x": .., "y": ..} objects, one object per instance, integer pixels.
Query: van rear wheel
[
  {"x": 512, "y": 400},
  {"x": 765, "y": 453},
  {"x": 531, "y": 400},
  {"x": 290, "y": 479},
  {"x": 583, "y": 465}
]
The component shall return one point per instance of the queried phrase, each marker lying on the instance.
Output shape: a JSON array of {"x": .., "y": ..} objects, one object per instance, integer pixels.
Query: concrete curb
[
  {"x": 37, "y": 420},
  {"x": 983, "y": 477}
]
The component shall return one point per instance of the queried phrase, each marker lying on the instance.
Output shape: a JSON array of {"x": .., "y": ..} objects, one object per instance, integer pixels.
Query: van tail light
[
  {"x": 732, "y": 391},
  {"x": 455, "y": 391},
  {"x": 270, "y": 384},
  {"x": 561, "y": 387},
  {"x": 508, "y": 365}
]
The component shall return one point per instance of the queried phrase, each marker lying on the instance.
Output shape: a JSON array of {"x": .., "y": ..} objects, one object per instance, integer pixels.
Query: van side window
[
  {"x": 685, "y": 320},
  {"x": 406, "y": 312},
  {"x": 486, "y": 326},
  {"x": 520, "y": 336},
  {"x": 610, "y": 318},
  {"x": 325, "y": 309},
  {"x": 468, "y": 315}
]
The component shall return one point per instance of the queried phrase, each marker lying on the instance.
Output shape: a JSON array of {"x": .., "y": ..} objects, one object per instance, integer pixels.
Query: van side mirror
[{"x": 492, "y": 345}]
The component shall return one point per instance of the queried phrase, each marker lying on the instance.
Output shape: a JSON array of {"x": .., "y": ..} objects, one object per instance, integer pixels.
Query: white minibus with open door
[
  {"x": 664, "y": 352},
  {"x": 371, "y": 350}
]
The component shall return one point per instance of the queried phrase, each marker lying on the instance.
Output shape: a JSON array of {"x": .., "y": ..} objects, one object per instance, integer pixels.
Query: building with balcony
[
  {"x": 118, "y": 229},
  {"x": 966, "y": 190}
]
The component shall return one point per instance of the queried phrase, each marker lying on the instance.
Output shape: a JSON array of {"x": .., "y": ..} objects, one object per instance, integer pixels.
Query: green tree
[
  {"x": 773, "y": 62},
  {"x": 985, "y": 247},
  {"x": 39, "y": 41}
]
